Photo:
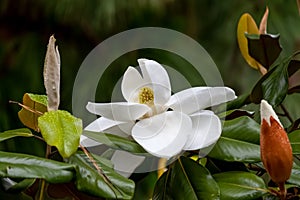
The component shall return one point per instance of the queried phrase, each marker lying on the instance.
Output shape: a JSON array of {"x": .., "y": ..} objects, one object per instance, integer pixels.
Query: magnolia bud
[{"x": 275, "y": 147}]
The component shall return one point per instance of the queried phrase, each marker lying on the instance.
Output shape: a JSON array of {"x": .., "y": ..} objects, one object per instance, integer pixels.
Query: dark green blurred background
[{"x": 80, "y": 25}]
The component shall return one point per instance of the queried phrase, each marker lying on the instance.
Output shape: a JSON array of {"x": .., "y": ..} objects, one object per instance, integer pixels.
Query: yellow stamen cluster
[{"x": 146, "y": 96}]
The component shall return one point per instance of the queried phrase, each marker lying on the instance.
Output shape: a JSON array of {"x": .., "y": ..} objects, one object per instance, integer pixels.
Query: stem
[
  {"x": 287, "y": 114},
  {"x": 282, "y": 191},
  {"x": 41, "y": 195},
  {"x": 43, "y": 182}
]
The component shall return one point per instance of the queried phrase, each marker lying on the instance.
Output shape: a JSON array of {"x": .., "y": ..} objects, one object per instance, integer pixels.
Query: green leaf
[
  {"x": 186, "y": 179},
  {"x": 34, "y": 106},
  {"x": 294, "y": 74},
  {"x": 237, "y": 103},
  {"x": 295, "y": 175},
  {"x": 15, "y": 165},
  {"x": 264, "y": 48},
  {"x": 62, "y": 130},
  {"x": 240, "y": 185},
  {"x": 115, "y": 142},
  {"x": 273, "y": 86},
  {"x": 22, "y": 132},
  {"x": 294, "y": 138},
  {"x": 14, "y": 196},
  {"x": 107, "y": 183},
  {"x": 239, "y": 141},
  {"x": 144, "y": 188},
  {"x": 13, "y": 186}
]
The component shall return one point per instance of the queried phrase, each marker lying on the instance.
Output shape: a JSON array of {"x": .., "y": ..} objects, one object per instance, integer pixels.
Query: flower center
[{"x": 146, "y": 96}]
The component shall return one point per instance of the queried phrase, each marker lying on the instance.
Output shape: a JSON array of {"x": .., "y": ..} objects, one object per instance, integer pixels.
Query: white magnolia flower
[{"x": 163, "y": 124}]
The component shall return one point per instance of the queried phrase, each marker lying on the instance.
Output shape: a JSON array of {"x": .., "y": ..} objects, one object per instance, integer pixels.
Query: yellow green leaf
[
  {"x": 33, "y": 107},
  {"x": 247, "y": 25},
  {"x": 62, "y": 130}
]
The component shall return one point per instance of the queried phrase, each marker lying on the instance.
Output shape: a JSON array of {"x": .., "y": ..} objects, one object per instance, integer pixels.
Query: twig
[
  {"x": 27, "y": 108},
  {"x": 99, "y": 170}
]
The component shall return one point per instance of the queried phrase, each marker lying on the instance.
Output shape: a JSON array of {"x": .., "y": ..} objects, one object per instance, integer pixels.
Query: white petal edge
[
  {"x": 197, "y": 98},
  {"x": 87, "y": 142},
  {"x": 157, "y": 76},
  {"x": 125, "y": 163},
  {"x": 163, "y": 135},
  {"x": 207, "y": 130},
  {"x": 121, "y": 111},
  {"x": 102, "y": 124},
  {"x": 266, "y": 111},
  {"x": 131, "y": 83}
]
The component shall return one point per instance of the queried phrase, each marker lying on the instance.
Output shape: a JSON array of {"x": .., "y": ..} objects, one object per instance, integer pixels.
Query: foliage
[{"x": 231, "y": 170}]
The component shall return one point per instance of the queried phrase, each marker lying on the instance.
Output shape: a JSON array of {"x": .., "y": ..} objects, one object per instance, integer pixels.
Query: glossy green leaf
[
  {"x": 115, "y": 142},
  {"x": 62, "y": 130},
  {"x": 13, "y": 196},
  {"x": 295, "y": 175},
  {"x": 15, "y": 165},
  {"x": 273, "y": 86},
  {"x": 240, "y": 185},
  {"x": 264, "y": 48},
  {"x": 294, "y": 76},
  {"x": 186, "y": 179},
  {"x": 239, "y": 141},
  {"x": 13, "y": 186},
  {"x": 294, "y": 138},
  {"x": 144, "y": 188},
  {"x": 107, "y": 183},
  {"x": 22, "y": 132},
  {"x": 34, "y": 106},
  {"x": 237, "y": 103}
]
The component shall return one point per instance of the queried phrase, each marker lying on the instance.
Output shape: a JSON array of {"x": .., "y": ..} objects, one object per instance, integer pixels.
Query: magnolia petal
[
  {"x": 102, "y": 124},
  {"x": 163, "y": 135},
  {"x": 266, "y": 111},
  {"x": 125, "y": 163},
  {"x": 207, "y": 129},
  {"x": 155, "y": 74},
  {"x": 132, "y": 81},
  {"x": 122, "y": 111},
  {"x": 246, "y": 24},
  {"x": 87, "y": 142},
  {"x": 197, "y": 98}
]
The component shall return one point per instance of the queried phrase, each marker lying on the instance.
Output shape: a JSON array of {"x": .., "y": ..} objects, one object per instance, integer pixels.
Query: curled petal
[
  {"x": 132, "y": 81},
  {"x": 207, "y": 130},
  {"x": 197, "y": 98},
  {"x": 101, "y": 124},
  {"x": 264, "y": 22},
  {"x": 125, "y": 163},
  {"x": 122, "y": 111},
  {"x": 163, "y": 135},
  {"x": 158, "y": 77}
]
